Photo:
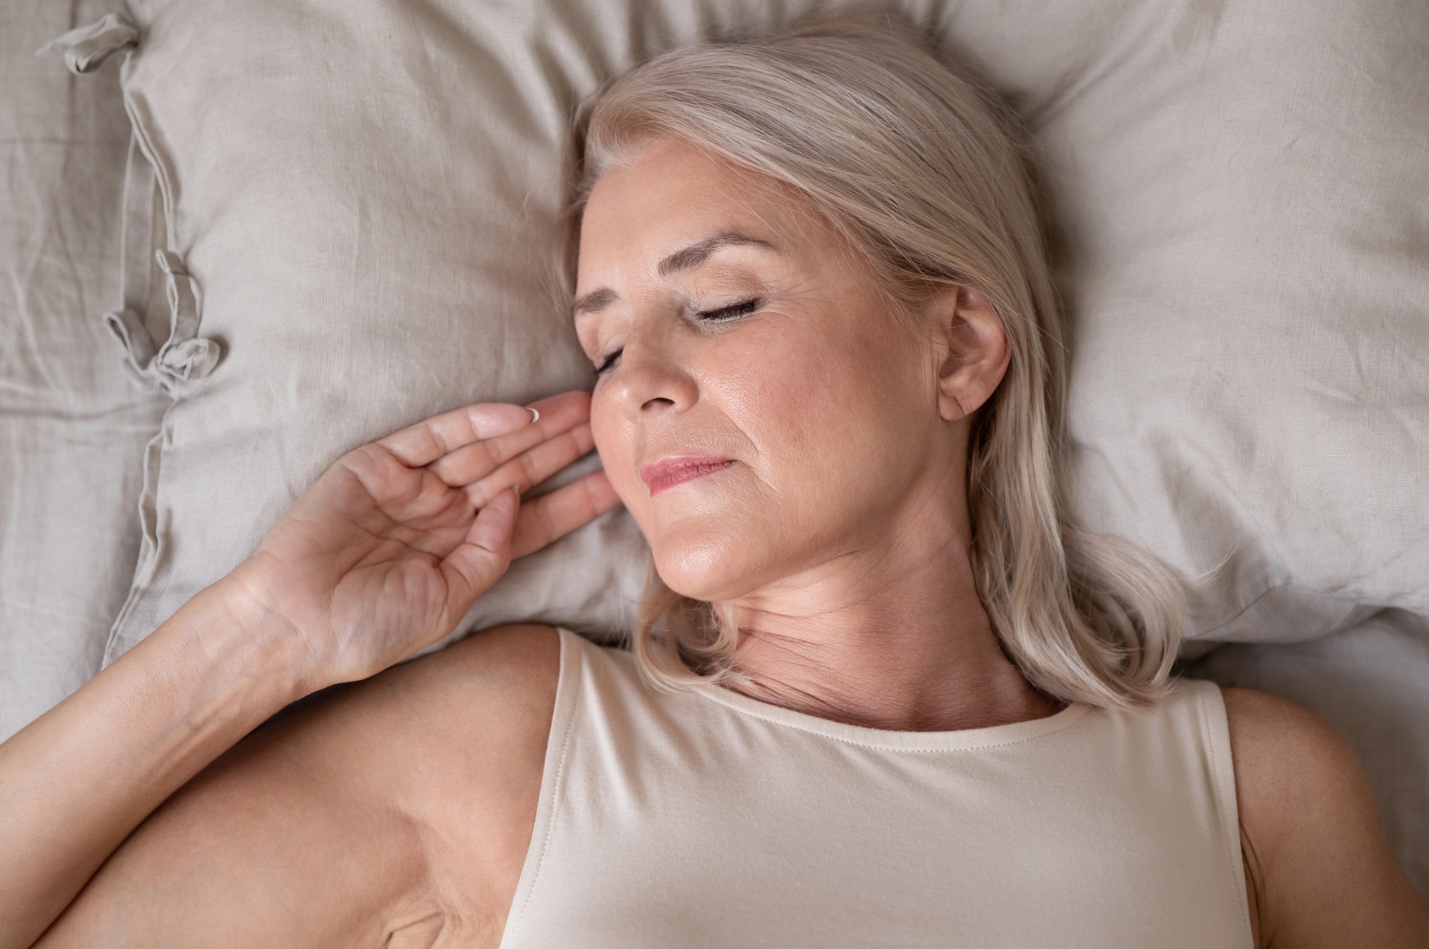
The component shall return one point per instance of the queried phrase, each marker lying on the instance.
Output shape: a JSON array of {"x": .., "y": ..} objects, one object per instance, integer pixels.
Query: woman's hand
[{"x": 388, "y": 549}]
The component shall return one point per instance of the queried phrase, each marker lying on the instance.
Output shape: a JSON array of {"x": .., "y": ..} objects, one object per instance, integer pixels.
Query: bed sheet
[{"x": 72, "y": 427}]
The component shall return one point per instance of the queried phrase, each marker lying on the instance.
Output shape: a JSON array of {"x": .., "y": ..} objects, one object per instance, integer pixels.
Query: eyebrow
[
  {"x": 686, "y": 258},
  {"x": 594, "y": 302}
]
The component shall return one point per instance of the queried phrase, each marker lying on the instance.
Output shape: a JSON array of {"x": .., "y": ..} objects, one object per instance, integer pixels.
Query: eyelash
[
  {"x": 732, "y": 312},
  {"x": 609, "y": 361}
]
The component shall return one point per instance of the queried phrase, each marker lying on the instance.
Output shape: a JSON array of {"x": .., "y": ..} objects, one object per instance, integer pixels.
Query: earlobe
[{"x": 973, "y": 349}]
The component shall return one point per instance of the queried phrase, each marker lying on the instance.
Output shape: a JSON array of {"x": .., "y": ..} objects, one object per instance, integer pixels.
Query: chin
[{"x": 704, "y": 567}]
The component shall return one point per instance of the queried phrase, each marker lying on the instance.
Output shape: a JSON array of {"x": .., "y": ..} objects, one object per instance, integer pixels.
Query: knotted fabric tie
[
  {"x": 86, "y": 48},
  {"x": 185, "y": 357}
]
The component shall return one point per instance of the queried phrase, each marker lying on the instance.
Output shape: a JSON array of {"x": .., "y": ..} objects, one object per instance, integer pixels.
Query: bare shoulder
[
  {"x": 1284, "y": 752},
  {"x": 510, "y": 669},
  {"x": 1320, "y": 869},
  {"x": 401, "y": 803}
]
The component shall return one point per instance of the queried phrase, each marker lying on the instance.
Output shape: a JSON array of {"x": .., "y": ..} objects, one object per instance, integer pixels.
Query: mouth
[{"x": 677, "y": 469}]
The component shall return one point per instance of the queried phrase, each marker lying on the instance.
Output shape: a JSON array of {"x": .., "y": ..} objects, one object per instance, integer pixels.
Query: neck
[{"x": 891, "y": 637}]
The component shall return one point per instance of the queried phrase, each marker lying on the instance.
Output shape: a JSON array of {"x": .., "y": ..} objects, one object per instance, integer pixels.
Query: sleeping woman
[{"x": 883, "y": 690}]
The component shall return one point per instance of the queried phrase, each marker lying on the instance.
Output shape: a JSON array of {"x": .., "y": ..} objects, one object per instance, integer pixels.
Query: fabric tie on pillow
[
  {"x": 185, "y": 358},
  {"x": 86, "y": 48}
]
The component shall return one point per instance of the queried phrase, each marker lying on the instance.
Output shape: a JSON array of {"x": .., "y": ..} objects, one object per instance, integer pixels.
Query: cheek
[
  {"x": 617, "y": 441},
  {"x": 613, "y": 443},
  {"x": 836, "y": 439},
  {"x": 828, "y": 412}
]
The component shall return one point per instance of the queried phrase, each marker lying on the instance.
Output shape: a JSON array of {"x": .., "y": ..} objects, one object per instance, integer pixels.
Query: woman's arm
[
  {"x": 393, "y": 809},
  {"x": 1320, "y": 870},
  {"x": 80, "y": 778},
  {"x": 381, "y": 557}
]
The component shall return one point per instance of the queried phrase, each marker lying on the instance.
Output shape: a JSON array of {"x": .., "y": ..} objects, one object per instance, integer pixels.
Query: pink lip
[{"x": 677, "y": 469}]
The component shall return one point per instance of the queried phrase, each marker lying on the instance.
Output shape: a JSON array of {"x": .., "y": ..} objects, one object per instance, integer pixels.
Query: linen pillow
[{"x": 366, "y": 196}]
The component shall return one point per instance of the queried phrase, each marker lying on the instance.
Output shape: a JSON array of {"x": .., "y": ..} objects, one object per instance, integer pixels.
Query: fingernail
[{"x": 535, "y": 416}]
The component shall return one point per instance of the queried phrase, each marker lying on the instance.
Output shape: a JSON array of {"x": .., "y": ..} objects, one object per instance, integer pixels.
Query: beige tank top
[{"x": 709, "y": 819}]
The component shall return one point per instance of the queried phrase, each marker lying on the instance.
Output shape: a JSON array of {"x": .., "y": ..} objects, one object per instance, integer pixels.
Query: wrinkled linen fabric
[{"x": 72, "y": 429}]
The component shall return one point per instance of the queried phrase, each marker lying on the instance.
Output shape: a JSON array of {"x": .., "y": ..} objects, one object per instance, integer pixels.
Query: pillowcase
[{"x": 359, "y": 207}]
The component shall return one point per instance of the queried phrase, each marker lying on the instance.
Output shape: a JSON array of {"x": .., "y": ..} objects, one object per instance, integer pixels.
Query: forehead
[{"x": 669, "y": 195}]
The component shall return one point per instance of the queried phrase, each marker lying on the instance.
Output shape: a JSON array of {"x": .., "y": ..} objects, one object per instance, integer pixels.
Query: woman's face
[{"x": 760, "y": 411}]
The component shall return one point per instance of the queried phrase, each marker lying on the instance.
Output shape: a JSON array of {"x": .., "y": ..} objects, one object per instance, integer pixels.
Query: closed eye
[
  {"x": 733, "y": 311},
  {"x": 609, "y": 361}
]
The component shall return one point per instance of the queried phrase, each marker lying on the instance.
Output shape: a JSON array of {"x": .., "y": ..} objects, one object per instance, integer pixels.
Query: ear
[{"x": 972, "y": 348}]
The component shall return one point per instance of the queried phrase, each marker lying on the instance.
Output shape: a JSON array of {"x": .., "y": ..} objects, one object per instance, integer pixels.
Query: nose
[{"x": 654, "y": 377}]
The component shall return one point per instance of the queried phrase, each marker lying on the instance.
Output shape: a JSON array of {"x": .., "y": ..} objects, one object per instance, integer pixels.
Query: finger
[
  {"x": 534, "y": 466},
  {"x": 480, "y": 559},
  {"x": 554, "y": 515},
  {"x": 469, "y": 463},
  {"x": 428, "y": 440}
]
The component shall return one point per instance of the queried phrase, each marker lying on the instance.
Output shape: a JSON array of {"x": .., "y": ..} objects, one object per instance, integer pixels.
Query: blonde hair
[{"x": 924, "y": 171}]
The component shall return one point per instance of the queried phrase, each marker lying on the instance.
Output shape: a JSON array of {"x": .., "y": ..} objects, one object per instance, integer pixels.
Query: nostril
[{"x": 657, "y": 403}]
